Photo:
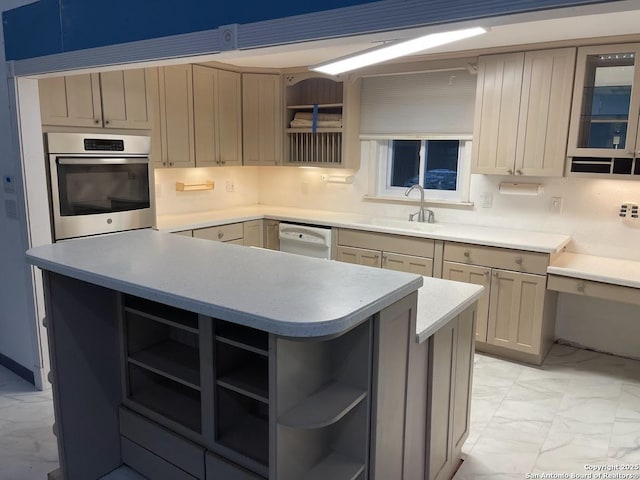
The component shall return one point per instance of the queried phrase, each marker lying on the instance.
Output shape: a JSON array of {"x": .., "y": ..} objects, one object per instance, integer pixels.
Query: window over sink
[{"x": 439, "y": 165}]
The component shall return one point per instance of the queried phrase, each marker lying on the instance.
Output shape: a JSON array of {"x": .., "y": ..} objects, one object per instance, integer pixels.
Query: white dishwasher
[{"x": 304, "y": 240}]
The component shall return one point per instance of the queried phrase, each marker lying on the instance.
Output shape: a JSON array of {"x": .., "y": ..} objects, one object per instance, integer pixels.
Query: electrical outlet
[
  {"x": 556, "y": 204},
  {"x": 230, "y": 186},
  {"x": 486, "y": 199},
  {"x": 629, "y": 213}
]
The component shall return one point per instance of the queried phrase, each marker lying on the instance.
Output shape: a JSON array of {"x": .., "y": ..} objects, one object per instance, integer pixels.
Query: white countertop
[
  {"x": 440, "y": 301},
  {"x": 281, "y": 293},
  {"x": 489, "y": 236},
  {"x": 598, "y": 269}
]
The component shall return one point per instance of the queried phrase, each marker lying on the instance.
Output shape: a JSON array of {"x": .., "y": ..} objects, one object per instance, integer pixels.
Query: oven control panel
[{"x": 103, "y": 145}]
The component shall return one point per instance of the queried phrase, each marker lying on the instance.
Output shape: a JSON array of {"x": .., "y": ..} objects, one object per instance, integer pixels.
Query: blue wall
[{"x": 56, "y": 26}]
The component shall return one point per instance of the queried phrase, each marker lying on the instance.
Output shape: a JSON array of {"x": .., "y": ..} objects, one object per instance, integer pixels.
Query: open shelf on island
[
  {"x": 336, "y": 467},
  {"x": 324, "y": 407},
  {"x": 173, "y": 360},
  {"x": 161, "y": 313},
  {"x": 168, "y": 398},
  {"x": 251, "y": 379},
  {"x": 243, "y": 337}
]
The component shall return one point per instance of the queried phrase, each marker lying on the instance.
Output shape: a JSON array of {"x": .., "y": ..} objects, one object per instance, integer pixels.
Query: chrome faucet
[{"x": 431, "y": 217}]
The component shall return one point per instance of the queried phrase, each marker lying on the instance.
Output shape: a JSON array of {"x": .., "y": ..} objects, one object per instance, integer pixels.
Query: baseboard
[{"x": 18, "y": 369}]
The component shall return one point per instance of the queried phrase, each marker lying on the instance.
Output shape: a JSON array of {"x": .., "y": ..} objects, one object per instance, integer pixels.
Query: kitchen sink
[{"x": 406, "y": 225}]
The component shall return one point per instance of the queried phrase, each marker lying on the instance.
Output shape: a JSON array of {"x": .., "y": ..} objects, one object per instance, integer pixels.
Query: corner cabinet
[
  {"x": 261, "y": 119},
  {"x": 119, "y": 99},
  {"x": 522, "y": 113},
  {"x": 322, "y": 120},
  {"x": 603, "y": 138},
  {"x": 516, "y": 314}
]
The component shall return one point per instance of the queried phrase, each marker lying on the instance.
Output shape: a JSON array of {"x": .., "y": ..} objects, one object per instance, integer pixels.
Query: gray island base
[{"x": 188, "y": 359}]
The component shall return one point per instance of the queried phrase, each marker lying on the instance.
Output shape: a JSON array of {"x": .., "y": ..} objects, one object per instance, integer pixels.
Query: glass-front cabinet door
[{"x": 606, "y": 103}]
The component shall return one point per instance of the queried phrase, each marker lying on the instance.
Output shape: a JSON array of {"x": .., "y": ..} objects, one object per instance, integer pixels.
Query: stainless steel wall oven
[{"x": 99, "y": 183}]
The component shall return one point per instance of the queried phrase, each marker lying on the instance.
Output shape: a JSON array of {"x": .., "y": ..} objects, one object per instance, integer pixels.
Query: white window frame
[{"x": 460, "y": 195}]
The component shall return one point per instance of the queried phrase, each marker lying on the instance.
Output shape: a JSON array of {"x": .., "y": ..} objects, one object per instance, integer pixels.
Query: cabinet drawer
[
  {"x": 221, "y": 233},
  {"x": 150, "y": 465},
  {"x": 589, "y": 288},
  {"x": 516, "y": 260},
  {"x": 421, "y": 247},
  {"x": 158, "y": 440},
  {"x": 224, "y": 470}
]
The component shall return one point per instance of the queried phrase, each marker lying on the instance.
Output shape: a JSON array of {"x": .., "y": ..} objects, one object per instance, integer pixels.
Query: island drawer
[
  {"x": 504, "y": 258},
  {"x": 421, "y": 247},
  {"x": 158, "y": 440},
  {"x": 148, "y": 464},
  {"x": 589, "y": 288},
  {"x": 219, "y": 468},
  {"x": 221, "y": 233}
]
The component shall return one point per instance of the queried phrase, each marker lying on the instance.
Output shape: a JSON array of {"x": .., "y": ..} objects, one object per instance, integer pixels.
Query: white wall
[
  {"x": 169, "y": 201},
  {"x": 589, "y": 216},
  {"x": 18, "y": 337}
]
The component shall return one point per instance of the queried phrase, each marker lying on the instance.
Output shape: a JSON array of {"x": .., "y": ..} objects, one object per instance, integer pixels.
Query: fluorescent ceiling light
[{"x": 395, "y": 50}]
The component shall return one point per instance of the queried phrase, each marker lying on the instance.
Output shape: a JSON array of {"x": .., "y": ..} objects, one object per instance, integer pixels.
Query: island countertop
[{"x": 280, "y": 293}]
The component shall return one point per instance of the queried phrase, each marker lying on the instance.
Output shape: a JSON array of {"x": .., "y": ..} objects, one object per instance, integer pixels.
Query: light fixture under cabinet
[{"x": 395, "y": 50}]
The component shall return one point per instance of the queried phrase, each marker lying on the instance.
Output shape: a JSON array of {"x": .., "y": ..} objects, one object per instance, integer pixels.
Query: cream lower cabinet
[
  {"x": 242, "y": 233},
  {"x": 253, "y": 233},
  {"x": 451, "y": 349},
  {"x": 271, "y": 234},
  {"x": 516, "y": 315},
  {"x": 393, "y": 252}
]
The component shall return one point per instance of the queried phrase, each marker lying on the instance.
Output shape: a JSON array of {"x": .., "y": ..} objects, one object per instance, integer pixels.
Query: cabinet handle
[
  {"x": 510, "y": 172},
  {"x": 220, "y": 234},
  {"x": 171, "y": 164},
  {"x": 384, "y": 259},
  {"x": 519, "y": 172},
  {"x": 519, "y": 260},
  {"x": 486, "y": 273},
  {"x": 495, "y": 274},
  {"x": 580, "y": 287}
]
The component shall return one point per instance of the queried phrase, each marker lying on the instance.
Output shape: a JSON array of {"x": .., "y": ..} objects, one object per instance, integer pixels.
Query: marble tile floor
[{"x": 579, "y": 408}]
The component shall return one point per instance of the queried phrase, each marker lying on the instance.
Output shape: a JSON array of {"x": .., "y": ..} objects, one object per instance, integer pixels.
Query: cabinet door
[
  {"x": 252, "y": 236},
  {"x": 516, "y": 308},
  {"x": 547, "y": 84},
  {"x": 407, "y": 263},
  {"x": 229, "y": 112},
  {"x": 176, "y": 107},
  {"x": 496, "y": 117},
  {"x": 606, "y": 101},
  {"x": 205, "y": 121},
  {"x": 71, "y": 101},
  {"x": 126, "y": 99},
  {"x": 461, "y": 405},
  {"x": 153, "y": 86},
  {"x": 359, "y": 256},
  {"x": 261, "y": 125},
  {"x": 478, "y": 276},
  {"x": 272, "y": 234}
]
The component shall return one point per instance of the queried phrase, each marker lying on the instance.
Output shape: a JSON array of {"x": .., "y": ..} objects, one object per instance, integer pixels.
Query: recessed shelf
[
  {"x": 251, "y": 380},
  {"x": 162, "y": 313},
  {"x": 335, "y": 467},
  {"x": 242, "y": 337},
  {"x": 324, "y": 407},
  {"x": 310, "y": 107},
  {"x": 172, "y": 360},
  {"x": 249, "y": 436}
]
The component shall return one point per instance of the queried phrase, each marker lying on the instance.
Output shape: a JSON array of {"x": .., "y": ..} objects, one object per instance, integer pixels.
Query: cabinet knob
[
  {"x": 519, "y": 260},
  {"x": 107, "y": 122},
  {"x": 486, "y": 273},
  {"x": 96, "y": 121},
  {"x": 519, "y": 172},
  {"x": 171, "y": 164},
  {"x": 510, "y": 172},
  {"x": 495, "y": 274},
  {"x": 220, "y": 234},
  {"x": 467, "y": 254}
]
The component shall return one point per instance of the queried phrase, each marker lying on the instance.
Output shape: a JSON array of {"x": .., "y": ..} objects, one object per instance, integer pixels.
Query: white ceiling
[{"x": 503, "y": 32}]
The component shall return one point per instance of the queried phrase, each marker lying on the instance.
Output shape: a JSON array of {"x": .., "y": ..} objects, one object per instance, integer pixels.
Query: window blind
[{"x": 418, "y": 103}]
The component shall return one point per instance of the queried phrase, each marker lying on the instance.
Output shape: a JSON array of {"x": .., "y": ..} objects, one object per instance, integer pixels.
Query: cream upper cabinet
[
  {"x": 522, "y": 113},
  {"x": 176, "y": 113},
  {"x": 71, "y": 101},
  {"x": 603, "y": 137},
  {"x": 261, "y": 119},
  {"x": 217, "y": 105},
  {"x": 477, "y": 275},
  {"x": 120, "y": 99}
]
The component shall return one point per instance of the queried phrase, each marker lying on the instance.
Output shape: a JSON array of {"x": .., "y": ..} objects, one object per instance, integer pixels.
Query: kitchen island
[{"x": 184, "y": 358}]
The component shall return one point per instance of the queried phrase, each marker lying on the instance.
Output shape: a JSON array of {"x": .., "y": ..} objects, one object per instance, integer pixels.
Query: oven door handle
[{"x": 102, "y": 161}]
